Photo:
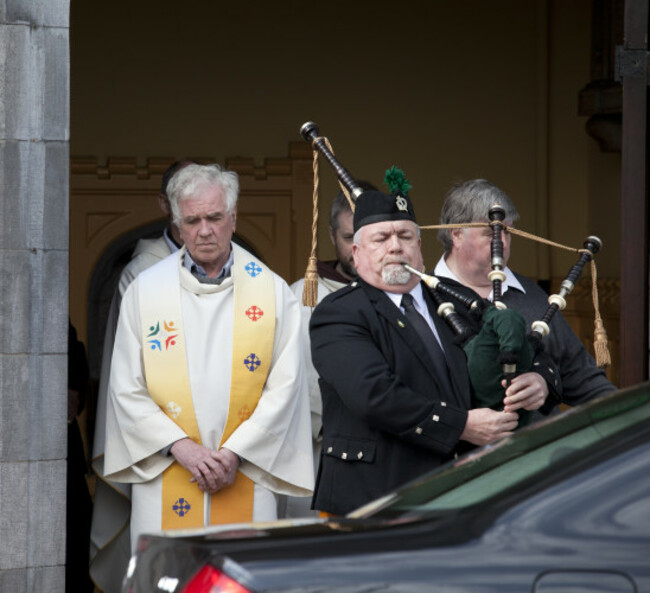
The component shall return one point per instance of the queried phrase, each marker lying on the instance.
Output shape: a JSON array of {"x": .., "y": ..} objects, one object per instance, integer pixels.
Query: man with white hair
[
  {"x": 395, "y": 387},
  {"x": 208, "y": 416}
]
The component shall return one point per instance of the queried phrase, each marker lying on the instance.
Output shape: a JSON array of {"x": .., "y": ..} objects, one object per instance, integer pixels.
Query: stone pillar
[{"x": 34, "y": 164}]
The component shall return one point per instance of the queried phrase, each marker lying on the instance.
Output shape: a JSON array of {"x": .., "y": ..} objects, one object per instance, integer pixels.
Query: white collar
[
  {"x": 417, "y": 295},
  {"x": 442, "y": 270},
  {"x": 420, "y": 307}
]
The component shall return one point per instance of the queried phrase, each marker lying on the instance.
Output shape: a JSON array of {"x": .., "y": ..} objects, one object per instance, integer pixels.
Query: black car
[{"x": 561, "y": 506}]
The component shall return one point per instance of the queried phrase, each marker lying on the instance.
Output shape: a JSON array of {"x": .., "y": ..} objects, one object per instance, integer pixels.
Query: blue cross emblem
[
  {"x": 252, "y": 362},
  {"x": 253, "y": 269},
  {"x": 181, "y": 507}
]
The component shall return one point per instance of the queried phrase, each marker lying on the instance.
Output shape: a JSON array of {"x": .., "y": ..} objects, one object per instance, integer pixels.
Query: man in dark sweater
[{"x": 467, "y": 261}]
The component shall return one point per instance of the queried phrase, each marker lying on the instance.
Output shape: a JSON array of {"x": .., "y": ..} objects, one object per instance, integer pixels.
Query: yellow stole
[{"x": 165, "y": 362}]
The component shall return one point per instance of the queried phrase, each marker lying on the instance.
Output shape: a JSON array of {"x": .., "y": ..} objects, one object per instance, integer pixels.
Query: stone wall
[{"x": 34, "y": 156}]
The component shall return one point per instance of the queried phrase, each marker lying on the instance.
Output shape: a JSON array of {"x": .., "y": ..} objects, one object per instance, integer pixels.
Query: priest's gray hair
[
  {"x": 189, "y": 181},
  {"x": 471, "y": 201}
]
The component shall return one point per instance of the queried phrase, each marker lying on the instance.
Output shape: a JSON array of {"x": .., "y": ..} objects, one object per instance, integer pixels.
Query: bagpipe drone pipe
[
  {"x": 497, "y": 342},
  {"x": 496, "y": 339}
]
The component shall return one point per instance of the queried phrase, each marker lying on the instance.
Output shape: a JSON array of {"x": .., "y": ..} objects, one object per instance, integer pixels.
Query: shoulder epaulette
[{"x": 345, "y": 290}]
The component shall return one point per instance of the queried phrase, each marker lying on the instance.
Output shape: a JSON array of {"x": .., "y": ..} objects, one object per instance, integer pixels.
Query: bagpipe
[{"x": 497, "y": 342}]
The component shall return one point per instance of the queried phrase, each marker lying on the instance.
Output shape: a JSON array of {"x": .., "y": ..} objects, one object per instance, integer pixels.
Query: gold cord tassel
[
  {"x": 310, "y": 288},
  {"x": 603, "y": 358}
]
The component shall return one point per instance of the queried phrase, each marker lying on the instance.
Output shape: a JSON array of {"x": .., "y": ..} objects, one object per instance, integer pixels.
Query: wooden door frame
[{"x": 633, "y": 71}]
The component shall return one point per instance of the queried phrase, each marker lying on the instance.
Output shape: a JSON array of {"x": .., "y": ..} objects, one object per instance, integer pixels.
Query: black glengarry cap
[{"x": 376, "y": 206}]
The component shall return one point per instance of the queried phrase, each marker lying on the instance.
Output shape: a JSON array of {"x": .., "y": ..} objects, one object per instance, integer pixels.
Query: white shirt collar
[
  {"x": 442, "y": 269},
  {"x": 420, "y": 307},
  {"x": 418, "y": 297}
]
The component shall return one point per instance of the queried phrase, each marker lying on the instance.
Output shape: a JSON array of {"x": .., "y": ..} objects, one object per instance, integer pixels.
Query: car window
[{"x": 515, "y": 471}]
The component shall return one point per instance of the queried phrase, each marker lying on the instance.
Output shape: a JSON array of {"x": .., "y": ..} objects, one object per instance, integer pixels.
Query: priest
[{"x": 208, "y": 414}]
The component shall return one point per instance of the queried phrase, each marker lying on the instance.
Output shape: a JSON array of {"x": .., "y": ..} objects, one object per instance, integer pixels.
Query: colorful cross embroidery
[
  {"x": 157, "y": 336},
  {"x": 252, "y": 362},
  {"x": 253, "y": 269},
  {"x": 181, "y": 507},
  {"x": 254, "y": 313}
]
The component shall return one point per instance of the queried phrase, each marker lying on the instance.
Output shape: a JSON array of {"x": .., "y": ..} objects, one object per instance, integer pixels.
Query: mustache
[{"x": 396, "y": 262}]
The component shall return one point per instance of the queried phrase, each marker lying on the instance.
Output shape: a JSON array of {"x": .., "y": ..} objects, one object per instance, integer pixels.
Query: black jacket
[
  {"x": 569, "y": 370},
  {"x": 385, "y": 419}
]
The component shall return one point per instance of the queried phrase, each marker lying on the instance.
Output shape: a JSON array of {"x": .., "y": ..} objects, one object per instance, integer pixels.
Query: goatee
[{"x": 395, "y": 275}]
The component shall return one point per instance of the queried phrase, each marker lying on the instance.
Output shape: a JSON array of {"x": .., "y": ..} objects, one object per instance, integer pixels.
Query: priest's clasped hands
[{"x": 211, "y": 470}]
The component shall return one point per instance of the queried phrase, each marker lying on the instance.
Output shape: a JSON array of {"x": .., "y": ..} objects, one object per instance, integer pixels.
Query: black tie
[{"x": 429, "y": 340}]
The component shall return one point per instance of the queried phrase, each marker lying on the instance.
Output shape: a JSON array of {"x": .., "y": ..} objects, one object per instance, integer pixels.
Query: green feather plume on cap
[{"x": 397, "y": 181}]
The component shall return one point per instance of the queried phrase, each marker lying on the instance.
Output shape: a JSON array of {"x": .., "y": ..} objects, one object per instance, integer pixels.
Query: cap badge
[{"x": 401, "y": 203}]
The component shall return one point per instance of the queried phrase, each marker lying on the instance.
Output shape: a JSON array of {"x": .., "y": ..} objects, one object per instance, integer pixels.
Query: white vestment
[
  {"x": 301, "y": 507},
  {"x": 110, "y": 546},
  {"x": 274, "y": 442},
  {"x": 147, "y": 252}
]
